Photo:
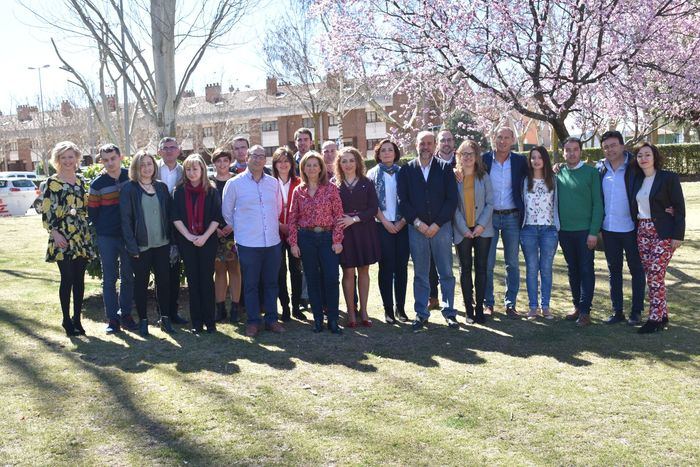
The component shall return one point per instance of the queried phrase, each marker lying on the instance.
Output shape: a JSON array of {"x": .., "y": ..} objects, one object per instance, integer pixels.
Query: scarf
[
  {"x": 379, "y": 183},
  {"x": 194, "y": 204}
]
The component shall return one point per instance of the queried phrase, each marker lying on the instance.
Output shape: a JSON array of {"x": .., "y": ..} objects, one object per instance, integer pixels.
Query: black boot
[
  {"x": 166, "y": 325},
  {"x": 286, "y": 315},
  {"x": 650, "y": 326},
  {"x": 298, "y": 314},
  {"x": 78, "y": 326},
  {"x": 220, "y": 312},
  {"x": 143, "y": 327},
  {"x": 69, "y": 328},
  {"x": 234, "y": 313},
  {"x": 334, "y": 328}
]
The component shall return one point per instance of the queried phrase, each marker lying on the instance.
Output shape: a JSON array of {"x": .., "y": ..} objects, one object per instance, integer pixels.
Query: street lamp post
[{"x": 41, "y": 107}]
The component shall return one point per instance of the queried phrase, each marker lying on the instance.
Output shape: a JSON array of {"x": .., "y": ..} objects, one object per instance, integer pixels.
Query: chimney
[
  {"x": 188, "y": 93},
  {"x": 111, "y": 103},
  {"x": 66, "y": 109},
  {"x": 271, "y": 86},
  {"x": 212, "y": 93},
  {"x": 24, "y": 113}
]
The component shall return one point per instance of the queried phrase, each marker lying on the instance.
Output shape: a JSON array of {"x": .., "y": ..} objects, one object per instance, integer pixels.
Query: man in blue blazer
[
  {"x": 427, "y": 200},
  {"x": 507, "y": 171}
]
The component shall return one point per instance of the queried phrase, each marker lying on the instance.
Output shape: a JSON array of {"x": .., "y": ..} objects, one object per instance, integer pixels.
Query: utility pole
[
  {"x": 44, "y": 159},
  {"x": 127, "y": 137}
]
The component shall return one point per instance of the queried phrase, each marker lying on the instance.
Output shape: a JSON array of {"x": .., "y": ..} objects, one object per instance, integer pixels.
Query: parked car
[
  {"x": 29, "y": 175},
  {"x": 18, "y": 194}
]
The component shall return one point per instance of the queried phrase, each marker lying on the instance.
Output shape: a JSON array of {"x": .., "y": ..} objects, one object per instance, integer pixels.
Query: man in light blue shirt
[
  {"x": 252, "y": 203},
  {"x": 619, "y": 229}
]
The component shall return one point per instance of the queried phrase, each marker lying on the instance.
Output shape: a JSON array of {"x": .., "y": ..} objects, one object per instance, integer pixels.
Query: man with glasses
[
  {"x": 170, "y": 172},
  {"x": 239, "y": 148},
  {"x": 252, "y": 204},
  {"x": 619, "y": 230},
  {"x": 103, "y": 211}
]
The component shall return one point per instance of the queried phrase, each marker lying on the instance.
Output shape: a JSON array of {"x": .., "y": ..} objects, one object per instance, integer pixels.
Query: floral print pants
[{"x": 655, "y": 254}]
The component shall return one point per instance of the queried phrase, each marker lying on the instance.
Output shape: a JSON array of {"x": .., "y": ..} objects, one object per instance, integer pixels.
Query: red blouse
[{"x": 322, "y": 209}]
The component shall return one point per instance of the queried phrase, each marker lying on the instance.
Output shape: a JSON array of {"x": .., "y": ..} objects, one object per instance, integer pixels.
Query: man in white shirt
[{"x": 252, "y": 204}]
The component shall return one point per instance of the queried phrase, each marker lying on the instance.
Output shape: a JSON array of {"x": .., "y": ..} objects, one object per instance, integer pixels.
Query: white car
[
  {"x": 29, "y": 175},
  {"x": 17, "y": 194}
]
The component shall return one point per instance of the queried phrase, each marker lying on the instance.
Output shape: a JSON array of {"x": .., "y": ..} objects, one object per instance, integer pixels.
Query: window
[
  {"x": 269, "y": 126},
  {"x": 372, "y": 117},
  {"x": 269, "y": 150},
  {"x": 208, "y": 131},
  {"x": 13, "y": 146},
  {"x": 332, "y": 120},
  {"x": 371, "y": 143},
  {"x": 241, "y": 128},
  {"x": 307, "y": 123}
]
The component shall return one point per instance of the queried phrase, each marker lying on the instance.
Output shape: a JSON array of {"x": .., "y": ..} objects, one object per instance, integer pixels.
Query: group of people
[{"x": 242, "y": 232}]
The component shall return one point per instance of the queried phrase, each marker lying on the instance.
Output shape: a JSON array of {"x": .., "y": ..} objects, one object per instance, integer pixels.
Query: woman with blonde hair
[
  {"x": 472, "y": 226},
  {"x": 196, "y": 216},
  {"x": 64, "y": 214},
  {"x": 360, "y": 240},
  {"x": 317, "y": 238},
  {"x": 144, "y": 206}
]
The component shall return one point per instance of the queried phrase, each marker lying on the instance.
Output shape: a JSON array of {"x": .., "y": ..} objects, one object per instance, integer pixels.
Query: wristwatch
[
  {"x": 355, "y": 218},
  {"x": 417, "y": 223}
]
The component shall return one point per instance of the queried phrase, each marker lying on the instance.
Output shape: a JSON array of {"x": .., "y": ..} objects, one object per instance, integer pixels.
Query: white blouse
[
  {"x": 539, "y": 204},
  {"x": 644, "y": 210}
]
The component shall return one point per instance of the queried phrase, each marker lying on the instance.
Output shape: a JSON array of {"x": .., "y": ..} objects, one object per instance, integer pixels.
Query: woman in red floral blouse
[{"x": 315, "y": 237}]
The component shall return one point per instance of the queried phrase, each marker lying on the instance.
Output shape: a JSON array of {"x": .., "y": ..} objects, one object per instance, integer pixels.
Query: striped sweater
[{"x": 103, "y": 203}]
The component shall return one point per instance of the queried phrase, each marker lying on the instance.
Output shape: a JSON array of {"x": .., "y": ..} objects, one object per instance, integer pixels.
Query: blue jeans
[
  {"x": 116, "y": 262},
  {"x": 508, "y": 226},
  {"x": 579, "y": 260},
  {"x": 614, "y": 244},
  {"x": 440, "y": 249},
  {"x": 260, "y": 268},
  {"x": 539, "y": 243},
  {"x": 321, "y": 269}
]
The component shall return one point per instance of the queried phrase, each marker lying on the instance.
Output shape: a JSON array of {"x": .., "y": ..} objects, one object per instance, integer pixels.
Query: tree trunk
[{"x": 163, "y": 34}]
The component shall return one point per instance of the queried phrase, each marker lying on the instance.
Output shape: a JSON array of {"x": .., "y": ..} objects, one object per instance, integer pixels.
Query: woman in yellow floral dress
[{"x": 64, "y": 212}]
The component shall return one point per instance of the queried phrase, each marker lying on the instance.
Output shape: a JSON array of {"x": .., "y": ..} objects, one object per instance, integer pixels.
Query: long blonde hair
[
  {"x": 193, "y": 159},
  {"x": 479, "y": 166}
]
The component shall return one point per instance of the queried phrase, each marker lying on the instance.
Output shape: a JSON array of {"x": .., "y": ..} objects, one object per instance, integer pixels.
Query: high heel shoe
[
  {"x": 69, "y": 328},
  {"x": 78, "y": 326}
]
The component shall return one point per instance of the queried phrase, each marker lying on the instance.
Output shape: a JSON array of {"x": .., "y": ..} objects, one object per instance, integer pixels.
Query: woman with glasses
[{"x": 473, "y": 228}]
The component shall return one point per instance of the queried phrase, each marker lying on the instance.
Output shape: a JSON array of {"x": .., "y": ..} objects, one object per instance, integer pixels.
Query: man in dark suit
[
  {"x": 507, "y": 171},
  {"x": 427, "y": 200}
]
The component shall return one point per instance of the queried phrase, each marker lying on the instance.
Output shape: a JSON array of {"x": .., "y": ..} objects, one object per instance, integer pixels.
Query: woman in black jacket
[
  {"x": 196, "y": 215},
  {"x": 658, "y": 204},
  {"x": 144, "y": 205}
]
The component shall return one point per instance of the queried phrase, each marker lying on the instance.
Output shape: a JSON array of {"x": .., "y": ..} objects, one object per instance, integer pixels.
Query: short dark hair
[
  {"x": 658, "y": 158},
  {"x": 241, "y": 138},
  {"x": 303, "y": 131},
  {"x": 573, "y": 139},
  {"x": 378, "y": 149},
  {"x": 109, "y": 147},
  {"x": 220, "y": 154},
  {"x": 612, "y": 134}
]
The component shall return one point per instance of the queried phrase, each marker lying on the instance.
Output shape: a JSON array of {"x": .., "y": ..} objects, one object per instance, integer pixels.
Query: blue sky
[{"x": 25, "y": 45}]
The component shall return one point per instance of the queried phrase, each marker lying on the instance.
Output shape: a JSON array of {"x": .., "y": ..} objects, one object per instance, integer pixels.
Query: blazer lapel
[{"x": 658, "y": 181}]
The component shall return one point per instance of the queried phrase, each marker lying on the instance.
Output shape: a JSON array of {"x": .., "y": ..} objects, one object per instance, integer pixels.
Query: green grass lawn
[{"x": 515, "y": 393}]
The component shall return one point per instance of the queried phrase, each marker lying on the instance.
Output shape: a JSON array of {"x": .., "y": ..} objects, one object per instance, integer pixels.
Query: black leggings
[{"x": 72, "y": 278}]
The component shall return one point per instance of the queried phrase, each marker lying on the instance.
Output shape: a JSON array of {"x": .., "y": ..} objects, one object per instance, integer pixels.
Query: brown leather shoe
[
  {"x": 275, "y": 327},
  {"x": 433, "y": 303},
  {"x": 512, "y": 313},
  {"x": 252, "y": 330},
  {"x": 573, "y": 316},
  {"x": 583, "y": 320}
]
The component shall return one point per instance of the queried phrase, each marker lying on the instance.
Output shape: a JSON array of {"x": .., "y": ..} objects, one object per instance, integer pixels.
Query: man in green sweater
[{"x": 580, "y": 215}]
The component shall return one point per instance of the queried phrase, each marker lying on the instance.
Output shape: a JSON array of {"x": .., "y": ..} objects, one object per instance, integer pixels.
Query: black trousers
[
  {"x": 480, "y": 248},
  {"x": 157, "y": 260},
  {"x": 295, "y": 276},
  {"x": 393, "y": 268},
  {"x": 174, "y": 274},
  {"x": 199, "y": 271}
]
